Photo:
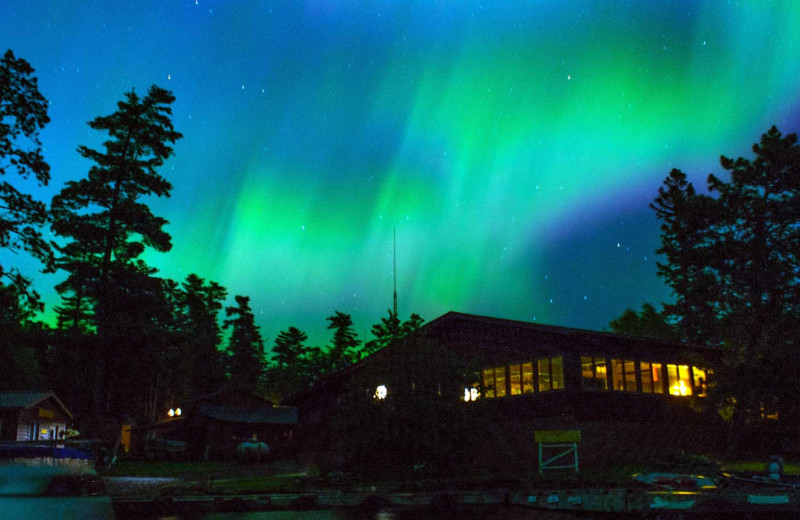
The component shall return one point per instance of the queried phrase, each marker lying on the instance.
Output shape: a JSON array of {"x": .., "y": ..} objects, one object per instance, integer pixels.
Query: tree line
[{"x": 127, "y": 340}]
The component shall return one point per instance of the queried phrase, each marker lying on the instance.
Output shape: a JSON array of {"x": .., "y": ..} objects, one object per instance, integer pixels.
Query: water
[{"x": 471, "y": 513}]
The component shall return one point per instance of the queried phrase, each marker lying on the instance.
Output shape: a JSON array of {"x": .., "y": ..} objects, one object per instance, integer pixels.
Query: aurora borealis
[{"x": 515, "y": 146}]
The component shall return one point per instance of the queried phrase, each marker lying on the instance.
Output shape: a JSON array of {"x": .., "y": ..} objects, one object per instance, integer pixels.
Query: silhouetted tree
[
  {"x": 732, "y": 259},
  {"x": 290, "y": 348},
  {"x": 389, "y": 330},
  {"x": 245, "y": 346},
  {"x": 343, "y": 350},
  {"x": 23, "y": 112},
  {"x": 201, "y": 334},
  {"x": 104, "y": 216},
  {"x": 18, "y": 357},
  {"x": 648, "y": 324}
]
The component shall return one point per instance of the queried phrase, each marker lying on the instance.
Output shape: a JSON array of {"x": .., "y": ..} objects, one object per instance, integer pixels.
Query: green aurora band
[{"x": 514, "y": 146}]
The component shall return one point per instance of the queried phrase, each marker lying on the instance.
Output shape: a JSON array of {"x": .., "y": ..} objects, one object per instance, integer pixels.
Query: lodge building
[{"x": 529, "y": 376}]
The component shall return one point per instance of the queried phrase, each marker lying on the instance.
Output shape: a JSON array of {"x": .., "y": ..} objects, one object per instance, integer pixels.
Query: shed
[{"x": 32, "y": 416}]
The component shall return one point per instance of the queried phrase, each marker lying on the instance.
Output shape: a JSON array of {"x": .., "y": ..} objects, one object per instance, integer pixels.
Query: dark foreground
[{"x": 543, "y": 504}]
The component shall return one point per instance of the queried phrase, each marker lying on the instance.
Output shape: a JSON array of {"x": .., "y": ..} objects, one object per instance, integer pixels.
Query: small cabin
[
  {"x": 214, "y": 424},
  {"x": 32, "y": 416}
]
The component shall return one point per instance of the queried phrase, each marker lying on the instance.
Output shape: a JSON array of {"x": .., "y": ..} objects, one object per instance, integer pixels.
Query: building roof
[
  {"x": 25, "y": 400},
  {"x": 502, "y": 340},
  {"x": 250, "y": 414}
]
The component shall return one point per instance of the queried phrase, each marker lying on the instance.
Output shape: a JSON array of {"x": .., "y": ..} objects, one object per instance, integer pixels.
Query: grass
[
  {"x": 261, "y": 484},
  {"x": 286, "y": 477},
  {"x": 183, "y": 469},
  {"x": 758, "y": 467}
]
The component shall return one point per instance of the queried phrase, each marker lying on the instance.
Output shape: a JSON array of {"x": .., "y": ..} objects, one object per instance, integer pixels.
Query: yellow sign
[
  {"x": 46, "y": 413},
  {"x": 557, "y": 435}
]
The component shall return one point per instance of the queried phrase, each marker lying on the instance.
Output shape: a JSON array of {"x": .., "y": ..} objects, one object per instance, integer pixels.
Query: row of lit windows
[
  {"x": 681, "y": 379},
  {"x": 542, "y": 375}
]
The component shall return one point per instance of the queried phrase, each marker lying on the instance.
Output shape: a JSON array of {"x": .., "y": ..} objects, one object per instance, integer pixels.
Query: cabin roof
[{"x": 23, "y": 400}]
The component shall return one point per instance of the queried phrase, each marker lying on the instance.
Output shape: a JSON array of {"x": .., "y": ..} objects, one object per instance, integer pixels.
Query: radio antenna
[{"x": 394, "y": 271}]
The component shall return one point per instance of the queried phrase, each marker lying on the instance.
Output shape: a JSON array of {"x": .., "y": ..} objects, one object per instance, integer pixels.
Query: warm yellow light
[
  {"x": 177, "y": 411},
  {"x": 171, "y": 412},
  {"x": 471, "y": 394},
  {"x": 380, "y": 392},
  {"x": 680, "y": 388}
]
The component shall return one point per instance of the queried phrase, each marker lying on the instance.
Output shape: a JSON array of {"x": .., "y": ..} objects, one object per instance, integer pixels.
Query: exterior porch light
[{"x": 471, "y": 394}]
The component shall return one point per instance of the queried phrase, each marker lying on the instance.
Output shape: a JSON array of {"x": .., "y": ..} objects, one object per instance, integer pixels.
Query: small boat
[{"x": 676, "y": 481}]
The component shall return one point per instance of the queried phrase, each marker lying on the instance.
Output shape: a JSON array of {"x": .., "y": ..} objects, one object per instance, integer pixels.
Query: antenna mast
[{"x": 394, "y": 271}]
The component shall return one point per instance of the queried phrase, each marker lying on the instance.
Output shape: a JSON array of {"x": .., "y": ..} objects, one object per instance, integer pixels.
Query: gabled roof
[{"x": 25, "y": 400}]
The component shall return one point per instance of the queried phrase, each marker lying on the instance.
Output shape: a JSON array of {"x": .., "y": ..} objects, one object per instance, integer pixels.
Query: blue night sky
[{"x": 515, "y": 146}]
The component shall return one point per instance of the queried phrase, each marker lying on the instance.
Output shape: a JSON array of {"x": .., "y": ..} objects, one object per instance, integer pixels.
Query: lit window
[
  {"x": 551, "y": 374},
  {"x": 593, "y": 373},
  {"x": 652, "y": 382},
  {"x": 527, "y": 378},
  {"x": 380, "y": 392},
  {"x": 521, "y": 378},
  {"x": 679, "y": 381},
  {"x": 500, "y": 381},
  {"x": 623, "y": 375},
  {"x": 515, "y": 380},
  {"x": 494, "y": 382},
  {"x": 700, "y": 381}
]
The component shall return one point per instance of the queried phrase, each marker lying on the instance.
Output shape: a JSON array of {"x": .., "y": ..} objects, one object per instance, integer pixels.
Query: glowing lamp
[
  {"x": 171, "y": 412},
  {"x": 380, "y": 392},
  {"x": 680, "y": 389},
  {"x": 471, "y": 394}
]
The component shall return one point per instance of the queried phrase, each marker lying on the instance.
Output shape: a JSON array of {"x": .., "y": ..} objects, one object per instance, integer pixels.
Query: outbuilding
[{"x": 32, "y": 416}]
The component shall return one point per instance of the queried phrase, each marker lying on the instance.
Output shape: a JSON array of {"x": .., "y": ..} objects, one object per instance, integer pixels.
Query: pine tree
[
  {"x": 344, "y": 347},
  {"x": 23, "y": 113},
  {"x": 290, "y": 350},
  {"x": 202, "y": 334},
  {"x": 389, "y": 330},
  {"x": 108, "y": 224},
  {"x": 245, "y": 346},
  {"x": 732, "y": 259}
]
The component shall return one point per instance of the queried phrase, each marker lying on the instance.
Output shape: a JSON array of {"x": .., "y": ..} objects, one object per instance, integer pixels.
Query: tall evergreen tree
[
  {"x": 290, "y": 349},
  {"x": 23, "y": 113},
  {"x": 107, "y": 222},
  {"x": 202, "y": 334},
  {"x": 245, "y": 346},
  {"x": 732, "y": 261},
  {"x": 343, "y": 350}
]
